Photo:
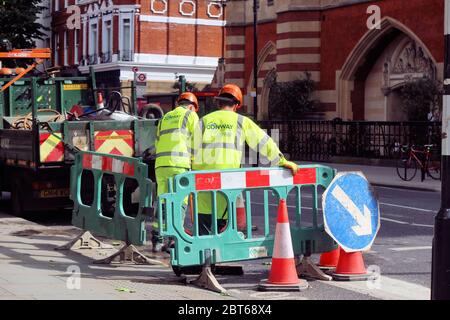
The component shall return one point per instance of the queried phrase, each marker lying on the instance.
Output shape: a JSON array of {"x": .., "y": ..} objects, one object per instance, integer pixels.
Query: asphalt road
[
  {"x": 401, "y": 252},
  {"x": 403, "y": 246}
]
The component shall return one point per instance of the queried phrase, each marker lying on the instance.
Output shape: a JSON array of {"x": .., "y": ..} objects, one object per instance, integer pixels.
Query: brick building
[
  {"x": 359, "y": 70},
  {"x": 45, "y": 19},
  {"x": 159, "y": 37}
]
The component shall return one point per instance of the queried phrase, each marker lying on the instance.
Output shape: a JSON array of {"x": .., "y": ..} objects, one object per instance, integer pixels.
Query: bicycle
[{"x": 408, "y": 164}]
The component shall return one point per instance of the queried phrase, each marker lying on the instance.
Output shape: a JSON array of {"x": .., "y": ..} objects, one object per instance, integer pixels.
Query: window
[
  {"x": 77, "y": 47},
  {"x": 47, "y": 11},
  {"x": 107, "y": 41},
  {"x": 66, "y": 48},
  {"x": 85, "y": 44},
  {"x": 126, "y": 40},
  {"x": 56, "y": 5},
  {"x": 270, "y": 3},
  {"x": 47, "y": 42},
  {"x": 56, "y": 49},
  {"x": 93, "y": 44}
]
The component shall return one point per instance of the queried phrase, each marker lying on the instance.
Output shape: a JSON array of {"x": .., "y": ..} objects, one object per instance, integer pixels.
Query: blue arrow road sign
[{"x": 351, "y": 212}]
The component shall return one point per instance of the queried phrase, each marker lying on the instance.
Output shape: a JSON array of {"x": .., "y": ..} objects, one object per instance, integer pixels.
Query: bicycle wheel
[
  {"x": 434, "y": 169},
  {"x": 406, "y": 169}
]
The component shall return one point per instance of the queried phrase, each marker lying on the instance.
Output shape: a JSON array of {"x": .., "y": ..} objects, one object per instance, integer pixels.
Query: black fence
[{"x": 323, "y": 140}]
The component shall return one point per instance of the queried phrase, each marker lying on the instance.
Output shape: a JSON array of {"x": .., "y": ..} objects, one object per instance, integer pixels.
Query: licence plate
[{"x": 55, "y": 193}]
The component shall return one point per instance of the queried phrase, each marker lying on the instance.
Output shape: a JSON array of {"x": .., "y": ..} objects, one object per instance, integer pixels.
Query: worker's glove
[{"x": 289, "y": 165}]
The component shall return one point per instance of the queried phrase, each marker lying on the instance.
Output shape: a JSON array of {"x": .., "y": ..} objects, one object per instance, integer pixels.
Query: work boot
[
  {"x": 157, "y": 242},
  {"x": 168, "y": 245}
]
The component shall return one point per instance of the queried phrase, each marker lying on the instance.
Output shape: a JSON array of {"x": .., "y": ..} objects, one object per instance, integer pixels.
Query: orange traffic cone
[
  {"x": 350, "y": 267},
  {"x": 100, "y": 102},
  {"x": 329, "y": 260},
  {"x": 241, "y": 216},
  {"x": 283, "y": 274}
]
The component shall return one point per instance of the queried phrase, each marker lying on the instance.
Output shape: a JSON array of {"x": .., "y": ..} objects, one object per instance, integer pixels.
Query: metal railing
[
  {"x": 323, "y": 140},
  {"x": 106, "y": 57},
  {"x": 93, "y": 59},
  {"x": 126, "y": 55}
]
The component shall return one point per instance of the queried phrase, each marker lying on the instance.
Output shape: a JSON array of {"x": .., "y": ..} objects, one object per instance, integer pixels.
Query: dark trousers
[{"x": 205, "y": 224}]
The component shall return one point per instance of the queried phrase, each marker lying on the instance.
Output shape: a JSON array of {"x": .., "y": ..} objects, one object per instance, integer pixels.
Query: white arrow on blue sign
[{"x": 351, "y": 212}]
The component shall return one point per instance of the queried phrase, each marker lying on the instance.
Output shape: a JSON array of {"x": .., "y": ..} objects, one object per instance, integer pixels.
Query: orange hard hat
[
  {"x": 6, "y": 71},
  {"x": 234, "y": 91},
  {"x": 19, "y": 70},
  {"x": 189, "y": 96}
]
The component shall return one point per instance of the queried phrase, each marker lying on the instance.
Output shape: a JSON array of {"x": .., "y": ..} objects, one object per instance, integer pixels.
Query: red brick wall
[
  {"x": 180, "y": 39},
  {"x": 161, "y": 38},
  {"x": 266, "y": 32},
  {"x": 344, "y": 27}
]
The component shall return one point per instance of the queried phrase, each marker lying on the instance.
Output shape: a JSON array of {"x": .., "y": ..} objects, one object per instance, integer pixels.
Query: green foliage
[
  {"x": 290, "y": 100},
  {"x": 18, "y": 22},
  {"x": 420, "y": 96}
]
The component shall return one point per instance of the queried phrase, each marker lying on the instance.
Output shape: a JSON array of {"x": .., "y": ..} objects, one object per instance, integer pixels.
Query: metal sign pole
[
  {"x": 440, "y": 274},
  {"x": 255, "y": 57},
  {"x": 134, "y": 92}
]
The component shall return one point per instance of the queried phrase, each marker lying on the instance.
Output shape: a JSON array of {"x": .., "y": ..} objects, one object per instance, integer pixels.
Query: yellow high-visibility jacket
[
  {"x": 175, "y": 137},
  {"x": 219, "y": 142}
]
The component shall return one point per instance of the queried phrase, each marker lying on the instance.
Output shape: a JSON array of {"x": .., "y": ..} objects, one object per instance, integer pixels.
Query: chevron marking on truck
[
  {"x": 118, "y": 142},
  {"x": 51, "y": 148}
]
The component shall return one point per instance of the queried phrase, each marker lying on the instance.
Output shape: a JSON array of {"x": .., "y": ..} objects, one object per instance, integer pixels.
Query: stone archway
[
  {"x": 266, "y": 66},
  {"x": 378, "y": 65},
  {"x": 269, "y": 81}
]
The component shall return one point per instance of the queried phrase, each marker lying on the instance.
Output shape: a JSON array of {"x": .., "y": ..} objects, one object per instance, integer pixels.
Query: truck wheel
[
  {"x": 16, "y": 199},
  {"x": 151, "y": 111}
]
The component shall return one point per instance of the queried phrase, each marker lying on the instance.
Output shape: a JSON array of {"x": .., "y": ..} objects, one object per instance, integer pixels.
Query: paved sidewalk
[
  {"x": 387, "y": 176},
  {"x": 30, "y": 269}
]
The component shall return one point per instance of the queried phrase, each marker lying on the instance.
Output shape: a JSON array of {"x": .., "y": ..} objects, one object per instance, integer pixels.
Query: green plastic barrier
[
  {"x": 232, "y": 245},
  {"x": 103, "y": 187}
]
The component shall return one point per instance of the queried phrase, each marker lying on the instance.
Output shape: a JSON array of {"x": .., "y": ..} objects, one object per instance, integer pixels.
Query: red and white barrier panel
[
  {"x": 254, "y": 179},
  {"x": 107, "y": 164}
]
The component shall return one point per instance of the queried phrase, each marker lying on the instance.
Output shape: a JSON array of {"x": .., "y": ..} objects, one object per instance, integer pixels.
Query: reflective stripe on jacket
[
  {"x": 219, "y": 143},
  {"x": 220, "y": 139},
  {"x": 174, "y": 138}
]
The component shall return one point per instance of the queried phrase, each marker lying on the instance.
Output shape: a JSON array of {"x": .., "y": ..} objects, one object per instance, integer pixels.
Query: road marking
[
  {"x": 390, "y": 289},
  {"x": 411, "y": 248},
  {"x": 405, "y": 207},
  {"x": 395, "y": 221},
  {"x": 407, "y": 223},
  {"x": 383, "y": 204},
  {"x": 383, "y": 218},
  {"x": 422, "y": 225},
  {"x": 407, "y": 190}
]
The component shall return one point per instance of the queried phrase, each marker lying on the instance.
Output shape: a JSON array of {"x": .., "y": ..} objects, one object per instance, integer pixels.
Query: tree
[
  {"x": 290, "y": 100},
  {"x": 18, "y": 22},
  {"x": 420, "y": 97}
]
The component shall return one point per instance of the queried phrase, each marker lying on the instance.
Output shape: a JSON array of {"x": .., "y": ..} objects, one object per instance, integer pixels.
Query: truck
[{"x": 45, "y": 119}]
